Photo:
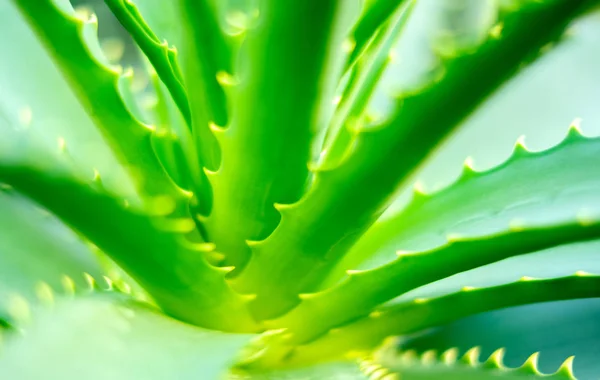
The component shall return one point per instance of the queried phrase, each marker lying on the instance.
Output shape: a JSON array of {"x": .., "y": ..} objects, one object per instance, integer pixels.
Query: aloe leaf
[
  {"x": 317, "y": 230},
  {"x": 174, "y": 145},
  {"x": 361, "y": 85},
  {"x": 194, "y": 291},
  {"x": 447, "y": 217},
  {"x": 416, "y": 315},
  {"x": 96, "y": 85},
  {"x": 450, "y": 366},
  {"x": 555, "y": 329},
  {"x": 152, "y": 245},
  {"x": 164, "y": 20},
  {"x": 162, "y": 57},
  {"x": 519, "y": 227},
  {"x": 284, "y": 87},
  {"x": 170, "y": 149},
  {"x": 207, "y": 57},
  {"x": 374, "y": 15},
  {"x": 138, "y": 342},
  {"x": 30, "y": 266},
  {"x": 343, "y": 370},
  {"x": 39, "y": 89}
]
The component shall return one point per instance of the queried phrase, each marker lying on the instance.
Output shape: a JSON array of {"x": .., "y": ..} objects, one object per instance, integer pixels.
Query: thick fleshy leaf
[
  {"x": 110, "y": 337},
  {"x": 284, "y": 83},
  {"x": 508, "y": 221},
  {"x": 349, "y": 370},
  {"x": 39, "y": 89},
  {"x": 96, "y": 85},
  {"x": 556, "y": 329},
  {"x": 373, "y": 17},
  {"x": 316, "y": 231},
  {"x": 417, "y": 315},
  {"x": 537, "y": 104},
  {"x": 162, "y": 57},
  {"x": 37, "y": 252},
  {"x": 175, "y": 149},
  {"x": 430, "y": 366},
  {"x": 362, "y": 81},
  {"x": 205, "y": 58},
  {"x": 154, "y": 246}
]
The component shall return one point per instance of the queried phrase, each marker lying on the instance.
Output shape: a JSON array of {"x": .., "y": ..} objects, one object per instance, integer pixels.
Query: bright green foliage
[{"x": 247, "y": 223}]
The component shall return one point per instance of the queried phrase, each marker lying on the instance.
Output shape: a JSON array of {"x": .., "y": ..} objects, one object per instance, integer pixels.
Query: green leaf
[
  {"x": 469, "y": 367},
  {"x": 173, "y": 141},
  {"x": 523, "y": 203},
  {"x": 348, "y": 370},
  {"x": 106, "y": 336},
  {"x": 422, "y": 313},
  {"x": 285, "y": 85},
  {"x": 528, "y": 180},
  {"x": 37, "y": 253},
  {"x": 81, "y": 62},
  {"x": 556, "y": 329},
  {"x": 206, "y": 57},
  {"x": 360, "y": 87},
  {"x": 153, "y": 246},
  {"x": 316, "y": 231},
  {"x": 39, "y": 89},
  {"x": 161, "y": 56},
  {"x": 375, "y": 14}
]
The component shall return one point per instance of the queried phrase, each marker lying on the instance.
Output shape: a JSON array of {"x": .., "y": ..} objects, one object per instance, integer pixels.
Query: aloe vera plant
[{"x": 237, "y": 207}]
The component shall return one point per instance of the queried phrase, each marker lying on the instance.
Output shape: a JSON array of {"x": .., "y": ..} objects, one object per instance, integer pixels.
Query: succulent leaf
[
  {"x": 162, "y": 57},
  {"x": 29, "y": 266},
  {"x": 408, "y": 365},
  {"x": 360, "y": 87},
  {"x": 316, "y": 231},
  {"x": 285, "y": 89},
  {"x": 410, "y": 316},
  {"x": 555, "y": 329},
  {"x": 343, "y": 370},
  {"x": 241, "y": 179},
  {"x": 531, "y": 187},
  {"x": 137, "y": 341},
  {"x": 207, "y": 57},
  {"x": 96, "y": 85},
  {"x": 161, "y": 257},
  {"x": 373, "y": 17}
]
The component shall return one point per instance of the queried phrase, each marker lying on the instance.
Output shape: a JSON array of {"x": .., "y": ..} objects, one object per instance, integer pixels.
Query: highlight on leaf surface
[{"x": 210, "y": 189}]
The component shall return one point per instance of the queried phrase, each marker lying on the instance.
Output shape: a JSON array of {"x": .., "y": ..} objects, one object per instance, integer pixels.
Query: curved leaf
[
  {"x": 534, "y": 179},
  {"x": 316, "y": 231},
  {"x": 37, "y": 252},
  {"x": 96, "y": 85},
  {"x": 205, "y": 57},
  {"x": 422, "y": 313},
  {"x": 469, "y": 367},
  {"x": 375, "y": 14},
  {"x": 509, "y": 220},
  {"x": 555, "y": 329},
  {"x": 360, "y": 87},
  {"x": 39, "y": 88},
  {"x": 154, "y": 246},
  {"x": 106, "y": 336},
  {"x": 284, "y": 86},
  {"x": 348, "y": 370},
  {"x": 161, "y": 56}
]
